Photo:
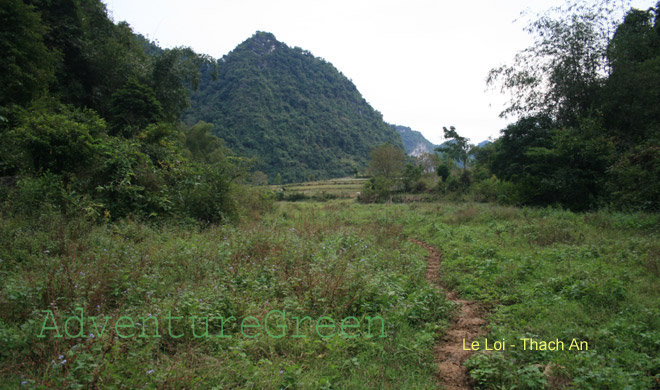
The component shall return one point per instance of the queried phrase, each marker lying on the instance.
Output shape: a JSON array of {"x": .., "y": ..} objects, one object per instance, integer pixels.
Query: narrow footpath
[{"x": 468, "y": 324}]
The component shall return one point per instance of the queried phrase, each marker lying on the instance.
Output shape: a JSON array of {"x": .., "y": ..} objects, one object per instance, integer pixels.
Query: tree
[
  {"x": 27, "y": 66},
  {"x": 298, "y": 114},
  {"x": 174, "y": 73},
  {"x": 203, "y": 145},
  {"x": 510, "y": 158},
  {"x": 412, "y": 176},
  {"x": 386, "y": 168},
  {"x": 259, "y": 178},
  {"x": 63, "y": 141},
  {"x": 458, "y": 148},
  {"x": 632, "y": 92},
  {"x": 428, "y": 161},
  {"x": 548, "y": 165},
  {"x": 134, "y": 106},
  {"x": 634, "y": 178},
  {"x": 560, "y": 75},
  {"x": 387, "y": 161},
  {"x": 443, "y": 172}
]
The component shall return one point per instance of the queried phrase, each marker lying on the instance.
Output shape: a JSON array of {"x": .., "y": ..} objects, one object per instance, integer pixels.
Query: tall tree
[
  {"x": 458, "y": 148},
  {"x": 561, "y": 74},
  {"x": 387, "y": 161},
  {"x": 27, "y": 66},
  {"x": 632, "y": 94},
  {"x": 174, "y": 73}
]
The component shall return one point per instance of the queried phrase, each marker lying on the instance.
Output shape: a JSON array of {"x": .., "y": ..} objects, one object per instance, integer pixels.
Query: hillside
[
  {"x": 414, "y": 142},
  {"x": 296, "y": 113}
]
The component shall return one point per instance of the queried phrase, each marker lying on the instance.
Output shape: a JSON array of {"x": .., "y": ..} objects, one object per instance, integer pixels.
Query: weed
[{"x": 461, "y": 216}]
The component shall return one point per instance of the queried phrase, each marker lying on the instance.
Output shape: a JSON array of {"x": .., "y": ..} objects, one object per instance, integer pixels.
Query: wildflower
[
  {"x": 60, "y": 357},
  {"x": 149, "y": 372}
]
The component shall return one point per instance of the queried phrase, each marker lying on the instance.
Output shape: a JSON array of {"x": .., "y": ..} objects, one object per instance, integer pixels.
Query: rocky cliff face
[{"x": 413, "y": 141}]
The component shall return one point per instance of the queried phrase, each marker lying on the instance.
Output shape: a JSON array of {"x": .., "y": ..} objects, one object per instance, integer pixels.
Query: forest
[
  {"x": 296, "y": 114},
  {"x": 173, "y": 221}
]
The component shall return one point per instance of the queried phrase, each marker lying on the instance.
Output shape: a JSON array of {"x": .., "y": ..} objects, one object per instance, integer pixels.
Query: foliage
[
  {"x": 390, "y": 174},
  {"x": 203, "y": 145},
  {"x": 134, "y": 106},
  {"x": 428, "y": 161},
  {"x": 296, "y": 114},
  {"x": 412, "y": 176},
  {"x": 457, "y": 148},
  {"x": 387, "y": 161},
  {"x": 174, "y": 73},
  {"x": 305, "y": 259},
  {"x": 631, "y": 91},
  {"x": 94, "y": 124},
  {"x": 549, "y": 275},
  {"x": 587, "y": 95},
  {"x": 552, "y": 166},
  {"x": 561, "y": 74},
  {"x": 208, "y": 192},
  {"x": 63, "y": 141},
  {"x": 259, "y": 178},
  {"x": 27, "y": 66},
  {"x": 443, "y": 171},
  {"x": 633, "y": 178},
  {"x": 509, "y": 160},
  {"x": 377, "y": 189}
]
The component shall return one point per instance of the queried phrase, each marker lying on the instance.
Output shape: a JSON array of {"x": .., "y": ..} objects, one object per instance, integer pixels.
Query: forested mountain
[
  {"x": 413, "y": 141},
  {"x": 296, "y": 113}
]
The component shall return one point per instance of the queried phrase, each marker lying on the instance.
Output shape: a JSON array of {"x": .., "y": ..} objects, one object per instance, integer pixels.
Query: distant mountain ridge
[
  {"x": 414, "y": 142},
  {"x": 295, "y": 113}
]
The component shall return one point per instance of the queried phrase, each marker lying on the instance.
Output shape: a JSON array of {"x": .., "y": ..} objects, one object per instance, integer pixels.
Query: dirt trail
[{"x": 468, "y": 325}]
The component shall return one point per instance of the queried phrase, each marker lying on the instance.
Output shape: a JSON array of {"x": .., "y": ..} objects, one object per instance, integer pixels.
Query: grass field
[
  {"x": 542, "y": 274},
  {"x": 338, "y": 188}
]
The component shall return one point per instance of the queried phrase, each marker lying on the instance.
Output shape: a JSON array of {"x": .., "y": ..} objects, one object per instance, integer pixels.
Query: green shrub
[
  {"x": 634, "y": 180},
  {"x": 377, "y": 189}
]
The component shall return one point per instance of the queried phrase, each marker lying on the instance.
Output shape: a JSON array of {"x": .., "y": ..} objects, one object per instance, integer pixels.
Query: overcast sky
[{"x": 421, "y": 63}]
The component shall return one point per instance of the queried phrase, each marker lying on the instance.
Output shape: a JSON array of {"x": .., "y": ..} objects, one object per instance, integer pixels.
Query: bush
[
  {"x": 443, "y": 171},
  {"x": 377, "y": 189},
  {"x": 33, "y": 195},
  {"x": 487, "y": 190},
  {"x": 634, "y": 179},
  {"x": 412, "y": 176},
  {"x": 63, "y": 140},
  {"x": 208, "y": 195},
  {"x": 496, "y": 190}
]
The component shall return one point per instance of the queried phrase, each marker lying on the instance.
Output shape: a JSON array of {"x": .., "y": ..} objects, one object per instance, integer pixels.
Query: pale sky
[{"x": 421, "y": 63}]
